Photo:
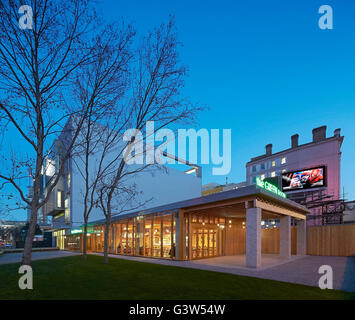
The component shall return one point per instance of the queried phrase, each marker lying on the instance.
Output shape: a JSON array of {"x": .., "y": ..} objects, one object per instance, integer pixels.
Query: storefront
[{"x": 228, "y": 223}]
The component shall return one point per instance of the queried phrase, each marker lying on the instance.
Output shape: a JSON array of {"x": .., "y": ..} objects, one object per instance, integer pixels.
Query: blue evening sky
[{"x": 265, "y": 69}]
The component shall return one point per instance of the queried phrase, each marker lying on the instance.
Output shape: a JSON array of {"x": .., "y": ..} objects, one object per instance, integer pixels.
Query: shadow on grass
[{"x": 349, "y": 275}]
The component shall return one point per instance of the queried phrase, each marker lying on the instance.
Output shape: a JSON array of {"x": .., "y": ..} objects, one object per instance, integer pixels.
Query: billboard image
[{"x": 304, "y": 179}]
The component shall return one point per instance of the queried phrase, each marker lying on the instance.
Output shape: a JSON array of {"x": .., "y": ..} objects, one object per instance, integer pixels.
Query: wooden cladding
[
  {"x": 336, "y": 240},
  {"x": 270, "y": 239},
  {"x": 235, "y": 237},
  {"x": 202, "y": 236}
]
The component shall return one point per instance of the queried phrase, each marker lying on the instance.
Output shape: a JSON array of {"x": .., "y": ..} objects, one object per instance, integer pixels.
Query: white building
[{"x": 157, "y": 185}]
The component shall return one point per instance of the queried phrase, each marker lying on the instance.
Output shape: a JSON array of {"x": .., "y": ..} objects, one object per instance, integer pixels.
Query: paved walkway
[
  {"x": 301, "y": 270},
  {"x": 16, "y": 257}
]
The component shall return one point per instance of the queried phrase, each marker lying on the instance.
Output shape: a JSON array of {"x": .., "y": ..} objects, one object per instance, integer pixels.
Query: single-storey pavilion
[{"x": 227, "y": 223}]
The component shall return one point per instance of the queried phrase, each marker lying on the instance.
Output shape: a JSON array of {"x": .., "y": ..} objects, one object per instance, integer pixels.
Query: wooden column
[
  {"x": 172, "y": 250},
  {"x": 180, "y": 235}
]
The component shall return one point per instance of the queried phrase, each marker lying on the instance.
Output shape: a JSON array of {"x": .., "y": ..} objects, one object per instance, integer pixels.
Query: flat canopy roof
[{"x": 244, "y": 192}]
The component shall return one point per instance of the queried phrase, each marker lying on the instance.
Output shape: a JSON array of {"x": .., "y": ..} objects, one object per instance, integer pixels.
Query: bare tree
[
  {"x": 103, "y": 85},
  {"x": 38, "y": 68},
  {"x": 155, "y": 95},
  {"x": 127, "y": 198}
]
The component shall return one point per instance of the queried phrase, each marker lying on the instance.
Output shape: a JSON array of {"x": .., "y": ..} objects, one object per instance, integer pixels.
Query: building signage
[
  {"x": 90, "y": 229},
  {"x": 75, "y": 231},
  {"x": 304, "y": 179},
  {"x": 270, "y": 187}
]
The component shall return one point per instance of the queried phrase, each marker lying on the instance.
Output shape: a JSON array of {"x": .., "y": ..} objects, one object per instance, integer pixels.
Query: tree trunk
[
  {"x": 85, "y": 240},
  {"x": 27, "y": 251},
  {"x": 106, "y": 240}
]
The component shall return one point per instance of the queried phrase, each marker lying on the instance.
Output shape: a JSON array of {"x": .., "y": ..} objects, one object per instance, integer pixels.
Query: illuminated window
[
  {"x": 59, "y": 199},
  {"x": 67, "y": 210},
  {"x": 283, "y": 160},
  {"x": 262, "y": 177},
  {"x": 273, "y": 163},
  {"x": 283, "y": 170},
  {"x": 68, "y": 181},
  {"x": 273, "y": 174}
]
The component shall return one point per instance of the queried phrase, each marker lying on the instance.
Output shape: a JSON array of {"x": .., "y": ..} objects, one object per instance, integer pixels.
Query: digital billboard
[{"x": 304, "y": 179}]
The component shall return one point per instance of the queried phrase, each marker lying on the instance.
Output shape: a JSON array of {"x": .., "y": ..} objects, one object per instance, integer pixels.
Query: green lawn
[{"x": 73, "y": 278}]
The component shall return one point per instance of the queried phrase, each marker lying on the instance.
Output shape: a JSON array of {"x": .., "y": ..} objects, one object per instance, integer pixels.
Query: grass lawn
[{"x": 73, "y": 278}]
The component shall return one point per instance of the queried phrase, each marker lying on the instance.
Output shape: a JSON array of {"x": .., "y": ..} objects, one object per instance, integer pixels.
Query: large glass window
[
  {"x": 157, "y": 236},
  {"x": 96, "y": 239},
  {"x": 148, "y": 236},
  {"x": 167, "y": 236},
  {"x": 187, "y": 237},
  {"x": 68, "y": 181},
  {"x": 204, "y": 236},
  {"x": 67, "y": 210},
  {"x": 139, "y": 225},
  {"x": 130, "y": 234},
  {"x": 60, "y": 235},
  {"x": 124, "y": 237},
  {"x": 117, "y": 237},
  {"x": 60, "y": 199}
]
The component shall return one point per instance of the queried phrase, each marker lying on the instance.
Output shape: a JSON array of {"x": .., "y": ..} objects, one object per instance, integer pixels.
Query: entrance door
[{"x": 204, "y": 242}]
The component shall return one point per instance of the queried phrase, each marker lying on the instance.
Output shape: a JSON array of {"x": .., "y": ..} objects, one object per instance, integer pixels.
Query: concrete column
[
  {"x": 253, "y": 238},
  {"x": 285, "y": 237},
  {"x": 301, "y": 238}
]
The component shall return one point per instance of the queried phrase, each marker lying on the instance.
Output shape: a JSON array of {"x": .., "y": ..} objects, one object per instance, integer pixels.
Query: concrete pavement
[
  {"x": 301, "y": 270},
  {"x": 16, "y": 257}
]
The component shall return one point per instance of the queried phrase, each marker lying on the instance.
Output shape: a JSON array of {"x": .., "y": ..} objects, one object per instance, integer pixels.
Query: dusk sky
[{"x": 265, "y": 69}]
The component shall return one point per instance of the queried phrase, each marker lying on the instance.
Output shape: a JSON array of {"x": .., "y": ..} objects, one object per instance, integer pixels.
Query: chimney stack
[
  {"x": 337, "y": 133},
  {"x": 268, "y": 148},
  {"x": 294, "y": 141},
  {"x": 319, "y": 134}
]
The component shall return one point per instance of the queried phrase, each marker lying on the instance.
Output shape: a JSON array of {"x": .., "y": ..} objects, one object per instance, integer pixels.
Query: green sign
[
  {"x": 90, "y": 229},
  {"x": 75, "y": 231},
  {"x": 269, "y": 187}
]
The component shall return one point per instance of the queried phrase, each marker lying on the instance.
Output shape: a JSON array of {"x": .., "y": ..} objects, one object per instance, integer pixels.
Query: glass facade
[
  {"x": 60, "y": 237},
  {"x": 73, "y": 242},
  {"x": 149, "y": 236},
  {"x": 205, "y": 234},
  {"x": 155, "y": 235}
]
